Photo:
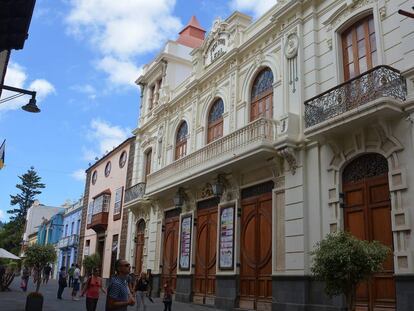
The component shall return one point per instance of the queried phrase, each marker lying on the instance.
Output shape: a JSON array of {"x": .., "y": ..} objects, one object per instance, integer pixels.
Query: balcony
[
  {"x": 256, "y": 139},
  {"x": 69, "y": 241},
  {"x": 134, "y": 193},
  {"x": 377, "y": 92},
  {"x": 99, "y": 222},
  {"x": 97, "y": 218}
]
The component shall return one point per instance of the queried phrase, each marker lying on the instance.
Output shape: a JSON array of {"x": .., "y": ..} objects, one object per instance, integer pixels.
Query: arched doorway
[
  {"x": 367, "y": 215},
  {"x": 139, "y": 250}
]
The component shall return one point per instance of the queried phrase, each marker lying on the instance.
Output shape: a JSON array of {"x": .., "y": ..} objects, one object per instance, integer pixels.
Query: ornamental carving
[
  {"x": 288, "y": 154},
  {"x": 367, "y": 165},
  {"x": 217, "y": 42}
]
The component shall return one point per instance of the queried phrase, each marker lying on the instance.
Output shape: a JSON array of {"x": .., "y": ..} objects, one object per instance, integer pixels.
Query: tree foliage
[
  {"x": 10, "y": 236},
  {"x": 37, "y": 257},
  {"x": 90, "y": 262},
  {"x": 342, "y": 262},
  {"x": 29, "y": 187},
  {"x": 11, "y": 233}
]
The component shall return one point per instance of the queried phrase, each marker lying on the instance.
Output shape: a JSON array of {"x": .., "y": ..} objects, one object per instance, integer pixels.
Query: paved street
[{"x": 15, "y": 300}]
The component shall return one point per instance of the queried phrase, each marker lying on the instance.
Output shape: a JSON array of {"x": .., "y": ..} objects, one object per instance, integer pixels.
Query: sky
[{"x": 82, "y": 57}]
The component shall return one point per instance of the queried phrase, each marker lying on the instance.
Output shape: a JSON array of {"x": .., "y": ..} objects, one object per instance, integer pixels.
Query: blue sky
[{"x": 82, "y": 57}]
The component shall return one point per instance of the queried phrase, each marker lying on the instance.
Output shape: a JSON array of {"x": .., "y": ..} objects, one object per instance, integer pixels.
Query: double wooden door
[
  {"x": 205, "y": 268},
  {"x": 169, "y": 259},
  {"x": 367, "y": 215},
  {"x": 139, "y": 249},
  {"x": 256, "y": 251}
]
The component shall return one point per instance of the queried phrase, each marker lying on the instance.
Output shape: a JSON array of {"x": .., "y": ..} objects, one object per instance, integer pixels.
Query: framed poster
[
  {"x": 185, "y": 242},
  {"x": 226, "y": 246}
]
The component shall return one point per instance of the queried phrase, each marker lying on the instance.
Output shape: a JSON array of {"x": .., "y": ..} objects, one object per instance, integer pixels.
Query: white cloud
[
  {"x": 2, "y": 215},
  {"x": 43, "y": 88},
  {"x": 16, "y": 76},
  {"x": 86, "y": 89},
  {"x": 122, "y": 30},
  {"x": 120, "y": 72},
  {"x": 79, "y": 175},
  {"x": 103, "y": 137},
  {"x": 257, "y": 7}
]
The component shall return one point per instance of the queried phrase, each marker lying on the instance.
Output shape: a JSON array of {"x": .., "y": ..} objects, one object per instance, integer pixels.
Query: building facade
[
  {"x": 50, "y": 232},
  {"x": 69, "y": 242},
  {"x": 36, "y": 216},
  {"x": 256, "y": 142},
  {"x": 103, "y": 224}
]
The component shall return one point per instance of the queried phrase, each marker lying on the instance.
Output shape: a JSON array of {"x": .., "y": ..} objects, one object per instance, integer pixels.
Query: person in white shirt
[{"x": 76, "y": 282}]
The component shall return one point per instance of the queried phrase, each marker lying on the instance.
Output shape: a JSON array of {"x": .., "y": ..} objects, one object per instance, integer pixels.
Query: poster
[
  {"x": 185, "y": 242},
  {"x": 226, "y": 238}
]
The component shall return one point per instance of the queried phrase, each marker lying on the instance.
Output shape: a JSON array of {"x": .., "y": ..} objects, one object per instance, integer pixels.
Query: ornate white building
[{"x": 257, "y": 141}]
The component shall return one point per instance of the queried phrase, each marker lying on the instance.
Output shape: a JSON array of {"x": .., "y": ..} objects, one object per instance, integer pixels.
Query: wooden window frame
[
  {"x": 370, "y": 63},
  {"x": 180, "y": 146},
  {"x": 260, "y": 100},
  {"x": 148, "y": 163}
]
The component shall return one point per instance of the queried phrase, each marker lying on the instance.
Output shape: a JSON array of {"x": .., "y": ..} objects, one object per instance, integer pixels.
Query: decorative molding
[{"x": 288, "y": 154}]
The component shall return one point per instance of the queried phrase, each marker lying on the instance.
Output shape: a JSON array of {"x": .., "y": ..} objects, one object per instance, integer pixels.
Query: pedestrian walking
[
  {"x": 70, "y": 273},
  {"x": 62, "y": 282},
  {"x": 119, "y": 297},
  {"x": 76, "y": 282},
  {"x": 92, "y": 287},
  {"x": 46, "y": 273},
  {"x": 141, "y": 288},
  {"x": 131, "y": 282},
  {"x": 167, "y": 299},
  {"x": 25, "y": 278},
  {"x": 35, "y": 275},
  {"x": 149, "y": 279}
]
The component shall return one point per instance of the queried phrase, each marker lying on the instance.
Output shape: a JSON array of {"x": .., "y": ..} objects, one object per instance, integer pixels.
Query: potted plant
[
  {"x": 342, "y": 262},
  {"x": 37, "y": 257}
]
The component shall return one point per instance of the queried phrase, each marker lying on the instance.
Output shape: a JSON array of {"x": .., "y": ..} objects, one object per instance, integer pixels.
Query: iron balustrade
[
  {"x": 380, "y": 81},
  {"x": 135, "y": 192},
  {"x": 69, "y": 241}
]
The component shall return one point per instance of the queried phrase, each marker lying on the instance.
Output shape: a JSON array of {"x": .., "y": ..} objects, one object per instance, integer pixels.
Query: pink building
[{"x": 104, "y": 222}]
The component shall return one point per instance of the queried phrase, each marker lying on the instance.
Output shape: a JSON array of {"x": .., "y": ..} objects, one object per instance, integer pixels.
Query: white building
[
  {"x": 268, "y": 135},
  {"x": 35, "y": 216}
]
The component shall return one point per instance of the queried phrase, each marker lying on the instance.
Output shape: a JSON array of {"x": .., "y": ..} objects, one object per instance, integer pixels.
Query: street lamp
[{"x": 29, "y": 107}]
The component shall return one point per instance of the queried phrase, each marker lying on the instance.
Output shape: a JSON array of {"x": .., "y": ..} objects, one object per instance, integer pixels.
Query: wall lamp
[
  {"x": 29, "y": 107},
  {"x": 179, "y": 197}
]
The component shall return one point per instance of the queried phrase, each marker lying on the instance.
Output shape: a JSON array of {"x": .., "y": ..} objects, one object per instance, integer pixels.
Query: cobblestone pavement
[{"x": 15, "y": 299}]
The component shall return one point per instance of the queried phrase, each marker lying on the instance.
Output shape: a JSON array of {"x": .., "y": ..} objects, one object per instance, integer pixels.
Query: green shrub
[
  {"x": 90, "y": 262},
  {"x": 342, "y": 262}
]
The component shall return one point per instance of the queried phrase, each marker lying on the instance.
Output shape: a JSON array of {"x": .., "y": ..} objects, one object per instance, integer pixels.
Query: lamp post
[{"x": 29, "y": 107}]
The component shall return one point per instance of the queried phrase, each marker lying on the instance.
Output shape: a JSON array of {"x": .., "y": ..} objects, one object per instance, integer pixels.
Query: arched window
[
  {"x": 359, "y": 48},
  {"x": 181, "y": 141},
  {"x": 262, "y": 95},
  {"x": 215, "y": 121},
  {"x": 148, "y": 158}
]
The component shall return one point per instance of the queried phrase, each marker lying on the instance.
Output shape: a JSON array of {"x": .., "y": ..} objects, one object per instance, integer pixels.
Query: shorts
[{"x": 76, "y": 284}]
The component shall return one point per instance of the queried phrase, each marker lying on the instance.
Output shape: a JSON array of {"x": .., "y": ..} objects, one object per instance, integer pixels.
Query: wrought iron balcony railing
[
  {"x": 380, "y": 81},
  {"x": 135, "y": 192},
  {"x": 248, "y": 139},
  {"x": 68, "y": 241}
]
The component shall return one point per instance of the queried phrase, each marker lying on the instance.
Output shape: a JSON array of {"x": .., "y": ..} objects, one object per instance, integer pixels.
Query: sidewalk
[{"x": 15, "y": 300}]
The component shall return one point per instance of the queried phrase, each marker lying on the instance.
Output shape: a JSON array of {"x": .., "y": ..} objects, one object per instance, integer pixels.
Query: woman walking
[
  {"x": 92, "y": 287},
  {"x": 62, "y": 282},
  {"x": 25, "y": 278},
  {"x": 141, "y": 288},
  {"x": 167, "y": 300}
]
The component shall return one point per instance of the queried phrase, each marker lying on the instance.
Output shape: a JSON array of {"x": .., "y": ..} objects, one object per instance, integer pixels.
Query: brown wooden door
[
  {"x": 359, "y": 48},
  {"x": 139, "y": 249},
  {"x": 367, "y": 215},
  {"x": 256, "y": 251},
  {"x": 205, "y": 268},
  {"x": 262, "y": 107},
  {"x": 215, "y": 130},
  {"x": 169, "y": 260}
]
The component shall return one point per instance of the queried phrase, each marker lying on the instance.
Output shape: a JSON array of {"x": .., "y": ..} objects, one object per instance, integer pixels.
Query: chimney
[{"x": 192, "y": 35}]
